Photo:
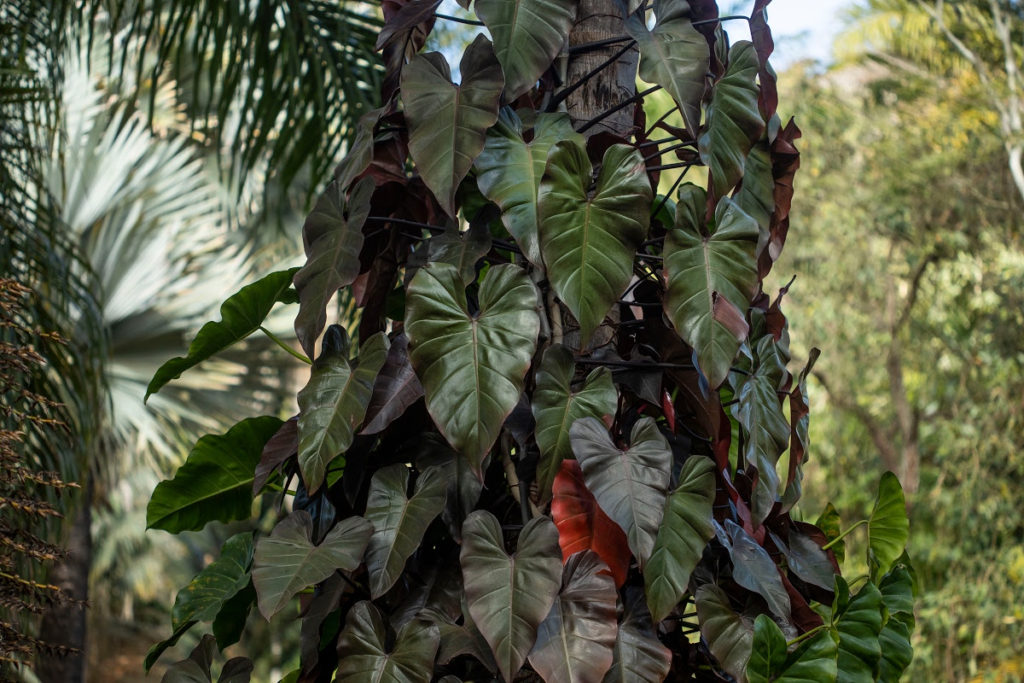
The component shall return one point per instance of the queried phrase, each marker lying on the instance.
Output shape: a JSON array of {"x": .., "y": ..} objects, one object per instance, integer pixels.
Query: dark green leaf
[
  {"x": 447, "y": 122},
  {"x": 508, "y": 597},
  {"x": 812, "y": 662},
  {"x": 754, "y": 569},
  {"x": 588, "y": 239},
  {"x": 576, "y": 639},
  {"x": 286, "y": 562},
  {"x": 395, "y": 389},
  {"x": 229, "y": 623},
  {"x": 196, "y": 669},
  {"x": 241, "y": 315},
  {"x": 509, "y": 172},
  {"x": 674, "y": 55},
  {"x": 897, "y": 592},
  {"x": 364, "y": 655},
  {"x": 332, "y": 236},
  {"x": 857, "y": 621},
  {"x": 399, "y": 522},
  {"x": 471, "y": 366},
  {"x": 710, "y": 281},
  {"x": 734, "y": 122},
  {"x": 897, "y": 652},
  {"x": 332, "y": 405},
  {"x": 757, "y": 195},
  {"x": 684, "y": 532},
  {"x": 528, "y": 34},
  {"x": 215, "y": 483},
  {"x": 556, "y": 407},
  {"x": 729, "y": 636},
  {"x": 888, "y": 526},
  {"x": 630, "y": 486},
  {"x": 638, "y": 657}
]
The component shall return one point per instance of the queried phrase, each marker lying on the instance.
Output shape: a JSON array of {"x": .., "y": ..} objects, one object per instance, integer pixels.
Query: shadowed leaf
[
  {"x": 395, "y": 389},
  {"x": 729, "y": 636},
  {"x": 638, "y": 656},
  {"x": 364, "y": 654},
  {"x": 754, "y": 569},
  {"x": 814, "y": 661},
  {"x": 857, "y": 622}
]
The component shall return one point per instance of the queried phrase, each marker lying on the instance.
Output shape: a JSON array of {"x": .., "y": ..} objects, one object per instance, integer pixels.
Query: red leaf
[
  {"x": 669, "y": 409},
  {"x": 582, "y": 525}
]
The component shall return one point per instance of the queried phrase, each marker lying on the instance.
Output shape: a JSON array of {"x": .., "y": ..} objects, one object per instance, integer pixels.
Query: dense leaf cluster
[{"x": 567, "y": 445}]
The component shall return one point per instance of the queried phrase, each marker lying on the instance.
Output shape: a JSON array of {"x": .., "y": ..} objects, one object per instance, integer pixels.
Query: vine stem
[
  {"x": 804, "y": 636},
  {"x": 280, "y": 342},
  {"x": 622, "y": 105},
  {"x": 844, "y": 534},
  {"x": 458, "y": 20}
]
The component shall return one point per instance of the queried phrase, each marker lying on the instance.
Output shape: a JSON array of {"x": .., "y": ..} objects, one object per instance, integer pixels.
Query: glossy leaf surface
[
  {"x": 710, "y": 280},
  {"x": 215, "y": 483},
  {"x": 471, "y": 366},
  {"x": 399, "y": 522},
  {"x": 286, "y": 562},
  {"x": 241, "y": 315},
  {"x": 638, "y": 656},
  {"x": 755, "y": 570},
  {"x": 857, "y": 622},
  {"x": 509, "y": 597},
  {"x": 364, "y": 653},
  {"x": 333, "y": 403},
  {"x": 812, "y": 662},
  {"x": 509, "y": 172},
  {"x": 396, "y": 388},
  {"x": 588, "y": 239},
  {"x": 729, "y": 636},
  {"x": 888, "y": 526},
  {"x": 448, "y": 122},
  {"x": 556, "y": 407},
  {"x": 630, "y": 486},
  {"x": 685, "y": 530}
]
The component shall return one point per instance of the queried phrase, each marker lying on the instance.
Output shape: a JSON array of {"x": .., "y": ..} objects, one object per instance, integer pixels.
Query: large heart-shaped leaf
[
  {"x": 207, "y": 593},
  {"x": 710, "y": 280},
  {"x": 638, "y": 657},
  {"x": 754, "y": 569},
  {"x": 241, "y": 315},
  {"x": 888, "y": 526},
  {"x": 684, "y": 532},
  {"x": 332, "y": 236},
  {"x": 734, "y": 122},
  {"x": 528, "y": 34},
  {"x": 509, "y": 171},
  {"x": 508, "y": 597},
  {"x": 674, "y": 55},
  {"x": 576, "y": 639},
  {"x": 630, "y": 486},
  {"x": 471, "y": 366},
  {"x": 399, "y": 522},
  {"x": 588, "y": 239},
  {"x": 857, "y": 621},
  {"x": 334, "y": 402},
  {"x": 729, "y": 636},
  {"x": 812, "y": 662},
  {"x": 556, "y": 407},
  {"x": 396, "y": 388},
  {"x": 364, "y": 655},
  {"x": 765, "y": 426},
  {"x": 286, "y": 562},
  {"x": 447, "y": 122},
  {"x": 215, "y": 483},
  {"x": 583, "y": 525}
]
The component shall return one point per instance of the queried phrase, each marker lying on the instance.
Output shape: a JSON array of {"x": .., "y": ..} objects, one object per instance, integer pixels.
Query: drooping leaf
[
  {"x": 215, "y": 483},
  {"x": 857, "y": 622},
  {"x": 229, "y": 624},
  {"x": 576, "y": 639},
  {"x": 464, "y": 486},
  {"x": 630, "y": 486},
  {"x": 528, "y": 34},
  {"x": 509, "y": 172},
  {"x": 638, "y": 657},
  {"x": 729, "y": 635},
  {"x": 447, "y": 122},
  {"x": 897, "y": 592},
  {"x": 556, "y": 407},
  {"x": 364, "y": 655},
  {"x": 829, "y": 523},
  {"x": 710, "y": 281},
  {"x": 897, "y": 652},
  {"x": 806, "y": 559},
  {"x": 281, "y": 446},
  {"x": 588, "y": 239},
  {"x": 757, "y": 195},
  {"x": 674, "y": 55},
  {"x": 332, "y": 236},
  {"x": 333, "y": 403},
  {"x": 765, "y": 426},
  {"x": 395, "y": 389},
  {"x": 399, "y": 522},
  {"x": 685, "y": 530},
  {"x": 734, "y": 122},
  {"x": 240, "y": 315},
  {"x": 508, "y": 597},
  {"x": 812, "y": 662},
  {"x": 888, "y": 526},
  {"x": 471, "y": 366},
  {"x": 287, "y": 561},
  {"x": 754, "y": 569},
  {"x": 799, "y": 441},
  {"x": 583, "y": 525}
]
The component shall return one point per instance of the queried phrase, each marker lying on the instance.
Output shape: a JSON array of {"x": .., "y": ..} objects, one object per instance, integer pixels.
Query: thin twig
[
  {"x": 621, "y": 105},
  {"x": 459, "y": 20},
  {"x": 561, "y": 96}
]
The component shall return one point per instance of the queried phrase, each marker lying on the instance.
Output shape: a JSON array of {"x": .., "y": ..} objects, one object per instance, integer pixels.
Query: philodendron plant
[{"x": 559, "y": 439}]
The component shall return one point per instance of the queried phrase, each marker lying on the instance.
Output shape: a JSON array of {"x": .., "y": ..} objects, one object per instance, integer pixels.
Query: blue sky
[{"x": 802, "y": 28}]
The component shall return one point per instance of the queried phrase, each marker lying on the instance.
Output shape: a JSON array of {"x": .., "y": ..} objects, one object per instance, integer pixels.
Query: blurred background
[{"x": 157, "y": 155}]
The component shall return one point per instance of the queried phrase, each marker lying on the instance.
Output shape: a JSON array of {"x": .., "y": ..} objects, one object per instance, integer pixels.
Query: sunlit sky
[{"x": 802, "y": 28}]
